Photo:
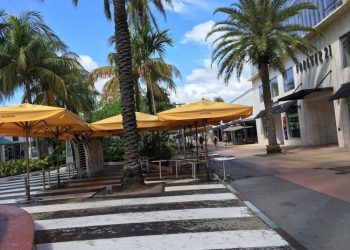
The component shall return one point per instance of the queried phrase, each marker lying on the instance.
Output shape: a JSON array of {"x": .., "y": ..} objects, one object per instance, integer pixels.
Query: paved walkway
[
  {"x": 325, "y": 169},
  {"x": 283, "y": 187},
  {"x": 183, "y": 217}
]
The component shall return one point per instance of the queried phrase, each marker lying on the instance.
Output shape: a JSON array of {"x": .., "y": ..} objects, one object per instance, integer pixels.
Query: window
[
  {"x": 288, "y": 80},
  {"x": 15, "y": 138},
  {"x": 345, "y": 43},
  {"x": 261, "y": 94},
  {"x": 274, "y": 87},
  {"x": 293, "y": 122}
]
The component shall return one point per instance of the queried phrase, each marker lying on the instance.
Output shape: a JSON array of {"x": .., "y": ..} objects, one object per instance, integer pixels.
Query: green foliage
[
  {"x": 258, "y": 32},
  {"x": 218, "y": 99},
  {"x": 15, "y": 167},
  {"x": 113, "y": 148},
  {"x": 159, "y": 146},
  {"x": 106, "y": 110}
]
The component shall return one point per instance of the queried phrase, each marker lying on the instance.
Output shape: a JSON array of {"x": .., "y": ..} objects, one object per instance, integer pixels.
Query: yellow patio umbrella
[
  {"x": 206, "y": 112},
  {"x": 29, "y": 120},
  {"x": 115, "y": 123}
]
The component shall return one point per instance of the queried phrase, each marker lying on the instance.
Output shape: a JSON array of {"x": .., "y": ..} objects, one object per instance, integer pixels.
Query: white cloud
[
  {"x": 199, "y": 33},
  {"x": 203, "y": 83},
  {"x": 184, "y": 6},
  {"x": 87, "y": 62}
]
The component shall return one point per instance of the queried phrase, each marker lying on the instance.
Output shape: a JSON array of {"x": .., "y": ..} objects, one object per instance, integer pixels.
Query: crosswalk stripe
[
  {"x": 128, "y": 202},
  {"x": 154, "y": 216},
  {"x": 8, "y": 201},
  {"x": 19, "y": 189},
  {"x": 185, "y": 241},
  {"x": 193, "y": 187}
]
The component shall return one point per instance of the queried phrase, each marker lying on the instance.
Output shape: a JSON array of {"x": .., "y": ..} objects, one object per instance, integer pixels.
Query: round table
[{"x": 223, "y": 160}]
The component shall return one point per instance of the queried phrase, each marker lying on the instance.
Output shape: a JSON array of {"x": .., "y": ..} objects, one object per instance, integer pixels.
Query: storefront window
[
  {"x": 288, "y": 80},
  {"x": 274, "y": 87},
  {"x": 261, "y": 95},
  {"x": 345, "y": 42},
  {"x": 293, "y": 122}
]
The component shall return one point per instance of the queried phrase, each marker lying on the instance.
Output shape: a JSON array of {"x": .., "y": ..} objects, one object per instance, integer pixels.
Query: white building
[{"x": 311, "y": 102}]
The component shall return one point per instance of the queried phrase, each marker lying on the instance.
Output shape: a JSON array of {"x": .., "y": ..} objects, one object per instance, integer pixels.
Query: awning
[
  {"x": 262, "y": 113},
  {"x": 4, "y": 141},
  {"x": 343, "y": 92},
  {"x": 286, "y": 106},
  {"x": 235, "y": 128},
  {"x": 302, "y": 93}
]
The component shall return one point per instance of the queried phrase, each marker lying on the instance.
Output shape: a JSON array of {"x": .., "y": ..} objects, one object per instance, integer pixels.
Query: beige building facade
[{"x": 311, "y": 100}]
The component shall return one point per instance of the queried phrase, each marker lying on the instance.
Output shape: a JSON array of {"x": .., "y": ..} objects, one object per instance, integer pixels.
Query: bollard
[
  {"x": 49, "y": 175},
  {"x": 109, "y": 189}
]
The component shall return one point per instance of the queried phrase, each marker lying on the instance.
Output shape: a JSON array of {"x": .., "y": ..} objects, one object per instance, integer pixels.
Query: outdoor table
[
  {"x": 223, "y": 160},
  {"x": 210, "y": 156},
  {"x": 194, "y": 163},
  {"x": 160, "y": 166},
  {"x": 177, "y": 161}
]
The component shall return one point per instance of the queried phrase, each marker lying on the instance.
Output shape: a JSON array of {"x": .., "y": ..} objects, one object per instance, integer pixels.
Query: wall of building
[{"x": 321, "y": 121}]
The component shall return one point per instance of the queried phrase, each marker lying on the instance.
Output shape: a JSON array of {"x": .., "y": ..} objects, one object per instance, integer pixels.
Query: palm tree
[
  {"x": 148, "y": 48},
  {"x": 28, "y": 57},
  {"x": 132, "y": 168},
  {"x": 3, "y": 24},
  {"x": 257, "y": 32}
]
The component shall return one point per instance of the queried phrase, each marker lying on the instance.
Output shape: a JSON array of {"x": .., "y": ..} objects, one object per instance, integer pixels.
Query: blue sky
[{"x": 85, "y": 30}]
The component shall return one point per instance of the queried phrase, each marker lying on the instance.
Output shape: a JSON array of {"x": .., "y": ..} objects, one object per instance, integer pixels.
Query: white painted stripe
[
  {"x": 36, "y": 182},
  {"x": 9, "y": 201},
  {"x": 15, "y": 194},
  {"x": 193, "y": 187},
  {"x": 186, "y": 241},
  {"x": 97, "y": 182},
  {"x": 143, "y": 217},
  {"x": 130, "y": 202},
  {"x": 19, "y": 189}
]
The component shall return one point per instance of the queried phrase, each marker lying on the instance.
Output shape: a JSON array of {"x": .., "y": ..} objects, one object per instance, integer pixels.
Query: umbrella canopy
[
  {"x": 29, "y": 120},
  {"x": 40, "y": 120},
  {"x": 211, "y": 112},
  {"x": 115, "y": 123}
]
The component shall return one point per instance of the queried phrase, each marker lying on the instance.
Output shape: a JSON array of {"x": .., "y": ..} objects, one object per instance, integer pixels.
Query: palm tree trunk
[
  {"x": 149, "y": 100},
  {"x": 132, "y": 168},
  {"x": 28, "y": 92},
  {"x": 273, "y": 147},
  {"x": 50, "y": 98},
  {"x": 137, "y": 93}
]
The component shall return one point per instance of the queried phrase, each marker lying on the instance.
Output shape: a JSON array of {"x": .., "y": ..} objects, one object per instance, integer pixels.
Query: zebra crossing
[
  {"x": 12, "y": 189},
  {"x": 200, "y": 216}
]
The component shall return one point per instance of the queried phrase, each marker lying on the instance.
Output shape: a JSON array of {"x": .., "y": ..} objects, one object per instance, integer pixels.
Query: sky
[{"x": 86, "y": 31}]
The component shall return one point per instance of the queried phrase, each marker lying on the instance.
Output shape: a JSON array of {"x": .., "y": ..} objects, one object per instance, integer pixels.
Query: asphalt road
[{"x": 315, "y": 220}]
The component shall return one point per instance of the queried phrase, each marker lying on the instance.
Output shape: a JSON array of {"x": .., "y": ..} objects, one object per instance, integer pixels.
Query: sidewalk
[{"x": 325, "y": 169}]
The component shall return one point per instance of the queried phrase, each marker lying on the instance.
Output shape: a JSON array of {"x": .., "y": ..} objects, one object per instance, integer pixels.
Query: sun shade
[
  {"x": 302, "y": 93},
  {"x": 343, "y": 92}
]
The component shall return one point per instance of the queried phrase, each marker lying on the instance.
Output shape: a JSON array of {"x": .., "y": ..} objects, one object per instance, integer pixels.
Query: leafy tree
[
  {"x": 258, "y": 32},
  {"x": 218, "y": 99}
]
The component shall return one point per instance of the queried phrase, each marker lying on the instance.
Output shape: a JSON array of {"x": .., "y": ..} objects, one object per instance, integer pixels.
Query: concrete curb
[{"x": 16, "y": 228}]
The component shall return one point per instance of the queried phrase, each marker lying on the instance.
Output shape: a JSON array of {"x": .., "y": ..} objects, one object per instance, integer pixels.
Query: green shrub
[
  {"x": 113, "y": 148},
  {"x": 157, "y": 145}
]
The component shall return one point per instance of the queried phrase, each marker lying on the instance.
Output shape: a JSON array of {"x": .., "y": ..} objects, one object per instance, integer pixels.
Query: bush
[
  {"x": 15, "y": 167},
  {"x": 157, "y": 145},
  {"x": 113, "y": 148}
]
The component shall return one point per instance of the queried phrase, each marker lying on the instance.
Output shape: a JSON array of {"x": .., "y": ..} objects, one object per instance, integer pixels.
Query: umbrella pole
[
  {"x": 197, "y": 153},
  {"x": 57, "y": 159},
  {"x": 206, "y": 149},
  {"x": 184, "y": 142},
  {"x": 27, "y": 180}
]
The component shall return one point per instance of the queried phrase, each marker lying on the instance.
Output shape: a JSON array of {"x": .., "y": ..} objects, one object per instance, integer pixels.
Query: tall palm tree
[
  {"x": 148, "y": 48},
  {"x": 257, "y": 32},
  {"x": 29, "y": 56},
  {"x": 3, "y": 24},
  {"x": 132, "y": 168}
]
